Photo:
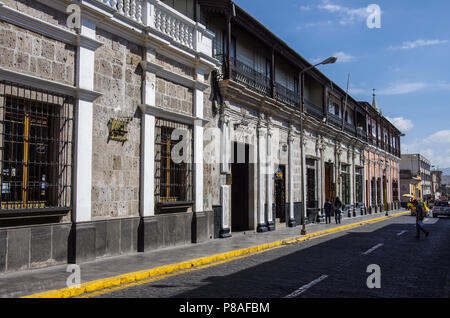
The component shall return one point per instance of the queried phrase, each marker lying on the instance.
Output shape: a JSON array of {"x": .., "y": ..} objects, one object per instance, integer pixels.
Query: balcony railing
[
  {"x": 287, "y": 96},
  {"x": 313, "y": 110},
  {"x": 249, "y": 77},
  {"x": 164, "y": 21},
  {"x": 132, "y": 9},
  {"x": 335, "y": 120},
  {"x": 361, "y": 134}
]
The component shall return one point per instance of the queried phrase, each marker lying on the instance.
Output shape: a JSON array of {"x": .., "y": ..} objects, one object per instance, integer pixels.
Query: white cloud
[
  {"x": 407, "y": 45},
  {"x": 347, "y": 15},
  {"x": 440, "y": 137},
  {"x": 401, "y": 123},
  {"x": 314, "y": 24},
  {"x": 434, "y": 147},
  {"x": 403, "y": 88},
  {"x": 305, "y": 8},
  {"x": 400, "y": 88}
]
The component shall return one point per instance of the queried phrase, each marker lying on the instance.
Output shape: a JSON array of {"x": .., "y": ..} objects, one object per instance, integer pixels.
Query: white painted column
[
  {"x": 198, "y": 144},
  {"x": 225, "y": 190},
  {"x": 338, "y": 152},
  {"x": 83, "y": 130},
  {"x": 352, "y": 177},
  {"x": 319, "y": 154},
  {"x": 147, "y": 181},
  {"x": 147, "y": 197},
  {"x": 261, "y": 168},
  {"x": 291, "y": 176},
  {"x": 269, "y": 179}
]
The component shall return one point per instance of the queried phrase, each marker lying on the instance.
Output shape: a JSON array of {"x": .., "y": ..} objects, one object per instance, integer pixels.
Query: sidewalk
[{"x": 37, "y": 281}]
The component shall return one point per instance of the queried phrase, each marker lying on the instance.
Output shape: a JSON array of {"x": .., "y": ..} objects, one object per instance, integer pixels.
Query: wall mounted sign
[{"x": 118, "y": 129}]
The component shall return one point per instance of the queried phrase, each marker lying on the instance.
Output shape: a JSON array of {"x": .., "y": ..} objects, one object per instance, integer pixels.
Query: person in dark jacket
[
  {"x": 337, "y": 210},
  {"x": 420, "y": 215},
  {"x": 327, "y": 207}
]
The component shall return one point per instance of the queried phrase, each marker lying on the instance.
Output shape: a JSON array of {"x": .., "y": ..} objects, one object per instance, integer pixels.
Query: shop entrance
[
  {"x": 240, "y": 187},
  {"x": 330, "y": 189},
  {"x": 280, "y": 194}
]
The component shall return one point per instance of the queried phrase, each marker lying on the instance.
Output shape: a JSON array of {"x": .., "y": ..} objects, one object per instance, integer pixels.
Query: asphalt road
[{"x": 332, "y": 266}]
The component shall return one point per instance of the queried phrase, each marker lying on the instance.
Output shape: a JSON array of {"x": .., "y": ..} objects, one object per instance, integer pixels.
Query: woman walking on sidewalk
[
  {"x": 337, "y": 210},
  {"x": 327, "y": 208}
]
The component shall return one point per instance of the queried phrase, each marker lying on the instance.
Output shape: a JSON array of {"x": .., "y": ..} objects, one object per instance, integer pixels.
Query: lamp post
[{"x": 329, "y": 60}]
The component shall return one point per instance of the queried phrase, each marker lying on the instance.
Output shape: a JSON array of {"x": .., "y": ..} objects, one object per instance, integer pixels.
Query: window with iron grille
[
  {"x": 173, "y": 173},
  {"x": 345, "y": 174},
  {"x": 359, "y": 184},
  {"x": 373, "y": 193},
  {"x": 311, "y": 202},
  {"x": 394, "y": 190},
  {"x": 379, "y": 191},
  {"x": 36, "y": 130}
]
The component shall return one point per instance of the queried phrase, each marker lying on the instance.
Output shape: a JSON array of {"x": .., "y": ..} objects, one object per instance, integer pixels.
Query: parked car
[{"x": 441, "y": 208}]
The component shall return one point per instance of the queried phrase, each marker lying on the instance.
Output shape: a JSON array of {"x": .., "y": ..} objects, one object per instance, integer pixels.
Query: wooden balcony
[
  {"x": 249, "y": 77},
  {"x": 287, "y": 96}
]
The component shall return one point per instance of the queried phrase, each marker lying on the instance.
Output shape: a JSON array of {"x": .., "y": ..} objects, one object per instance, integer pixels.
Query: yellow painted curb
[{"x": 167, "y": 269}]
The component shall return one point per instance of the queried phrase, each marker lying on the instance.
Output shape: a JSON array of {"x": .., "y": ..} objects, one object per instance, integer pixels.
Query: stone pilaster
[
  {"x": 269, "y": 178},
  {"x": 261, "y": 167},
  {"x": 291, "y": 221},
  {"x": 84, "y": 127}
]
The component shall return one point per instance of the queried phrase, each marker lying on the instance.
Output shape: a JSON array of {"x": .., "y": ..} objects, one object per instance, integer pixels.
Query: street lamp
[{"x": 330, "y": 60}]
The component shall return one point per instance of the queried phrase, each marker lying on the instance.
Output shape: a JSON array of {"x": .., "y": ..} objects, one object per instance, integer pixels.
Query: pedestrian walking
[
  {"x": 420, "y": 212},
  {"x": 327, "y": 208},
  {"x": 337, "y": 210}
]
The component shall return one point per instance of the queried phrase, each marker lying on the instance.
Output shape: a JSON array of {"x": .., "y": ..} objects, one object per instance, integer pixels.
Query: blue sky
[{"x": 407, "y": 60}]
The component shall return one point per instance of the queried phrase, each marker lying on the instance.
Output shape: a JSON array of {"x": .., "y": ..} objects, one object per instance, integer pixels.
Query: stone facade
[
  {"x": 37, "y": 55},
  {"x": 115, "y": 176},
  {"x": 173, "y": 96}
]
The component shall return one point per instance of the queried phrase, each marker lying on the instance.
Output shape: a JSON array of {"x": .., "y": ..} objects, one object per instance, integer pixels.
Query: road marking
[
  {"x": 304, "y": 288},
  {"x": 402, "y": 232},
  {"x": 373, "y": 249}
]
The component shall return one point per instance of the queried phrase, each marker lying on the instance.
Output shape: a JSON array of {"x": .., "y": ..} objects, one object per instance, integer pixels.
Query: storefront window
[
  {"x": 36, "y": 148},
  {"x": 173, "y": 152},
  {"x": 345, "y": 173}
]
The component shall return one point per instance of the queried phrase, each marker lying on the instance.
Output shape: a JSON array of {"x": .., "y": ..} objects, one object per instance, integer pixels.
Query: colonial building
[
  {"x": 161, "y": 123},
  {"x": 418, "y": 166}
]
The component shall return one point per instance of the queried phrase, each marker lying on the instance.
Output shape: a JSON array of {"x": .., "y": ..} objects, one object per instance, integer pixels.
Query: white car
[{"x": 441, "y": 208}]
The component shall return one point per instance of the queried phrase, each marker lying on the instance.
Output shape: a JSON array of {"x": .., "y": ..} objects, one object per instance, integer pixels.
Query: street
[{"x": 331, "y": 266}]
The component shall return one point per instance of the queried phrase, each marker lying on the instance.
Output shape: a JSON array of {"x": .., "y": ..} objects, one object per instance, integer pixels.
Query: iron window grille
[
  {"x": 379, "y": 191},
  {"x": 345, "y": 174},
  {"x": 173, "y": 179},
  {"x": 395, "y": 190},
  {"x": 359, "y": 184},
  {"x": 311, "y": 202},
  {"x": 36, "y": 132},
  {"x": 373, "y": 193}
]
